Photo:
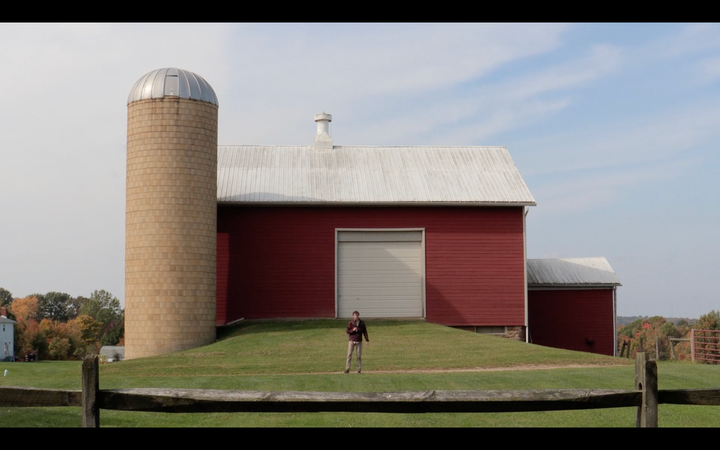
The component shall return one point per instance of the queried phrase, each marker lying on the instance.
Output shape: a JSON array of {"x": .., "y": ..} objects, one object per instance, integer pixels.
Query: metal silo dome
[{"x": 172, "y": 82}]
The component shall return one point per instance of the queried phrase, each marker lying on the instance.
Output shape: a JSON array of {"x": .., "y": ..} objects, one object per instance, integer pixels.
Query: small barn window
[{"x": 490, "y": 330}]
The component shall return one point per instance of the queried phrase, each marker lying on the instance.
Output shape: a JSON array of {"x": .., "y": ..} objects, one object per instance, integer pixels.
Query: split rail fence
[{"x": 646, "y": 397}]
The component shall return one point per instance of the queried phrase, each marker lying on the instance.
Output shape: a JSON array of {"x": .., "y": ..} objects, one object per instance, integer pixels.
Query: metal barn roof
[
  {"x": 571, "y": 272},
  {"x": 356, "y": 175}
]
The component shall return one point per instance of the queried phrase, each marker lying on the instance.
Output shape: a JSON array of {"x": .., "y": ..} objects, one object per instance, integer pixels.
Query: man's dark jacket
[{"x": 357, "y": 335}]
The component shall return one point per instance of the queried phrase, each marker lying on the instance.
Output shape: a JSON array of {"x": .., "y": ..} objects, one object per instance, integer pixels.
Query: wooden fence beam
[
  {"x": 11, "y": 396},
  {"x": 90, "y": 391},
  {"x": 646, "y": 381},
  {"x": 690, "y": 396},
  {"x": 206, "y": 400}
]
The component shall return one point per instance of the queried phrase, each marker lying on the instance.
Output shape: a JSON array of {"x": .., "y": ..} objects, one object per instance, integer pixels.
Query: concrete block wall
[{"x": 171, "y": 226}]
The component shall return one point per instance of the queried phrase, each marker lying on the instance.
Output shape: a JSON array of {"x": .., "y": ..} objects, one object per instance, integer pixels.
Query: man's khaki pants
[{"x": 358, "y": 347}]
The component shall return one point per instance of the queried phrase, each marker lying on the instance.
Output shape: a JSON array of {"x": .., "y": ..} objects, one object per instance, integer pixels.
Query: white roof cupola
[{"x": 323, "y": 140}]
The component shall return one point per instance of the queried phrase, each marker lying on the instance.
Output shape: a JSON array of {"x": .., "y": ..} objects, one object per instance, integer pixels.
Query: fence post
[
  {"x": 90, "y": 388},
  {"x": 672, "y": 349},
  {"x": 646, "y": 381},
  {"x": 692, "y": 343}
]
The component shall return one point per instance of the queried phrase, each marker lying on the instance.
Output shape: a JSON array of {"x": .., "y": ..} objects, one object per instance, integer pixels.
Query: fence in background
[{"x": 705, "y": 345}]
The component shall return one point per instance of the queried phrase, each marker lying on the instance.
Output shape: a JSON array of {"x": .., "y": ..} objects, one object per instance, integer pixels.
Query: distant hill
[{"x": 625, "y": 320}]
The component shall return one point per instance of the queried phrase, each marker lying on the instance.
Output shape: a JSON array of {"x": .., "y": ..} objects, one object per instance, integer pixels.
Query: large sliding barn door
[{"x": 380, "y": 273}]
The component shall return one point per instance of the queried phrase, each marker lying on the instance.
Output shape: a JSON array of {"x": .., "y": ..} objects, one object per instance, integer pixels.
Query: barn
[
  {"x": 323, "y": 230},
  {"x": 572, "y": 304}
]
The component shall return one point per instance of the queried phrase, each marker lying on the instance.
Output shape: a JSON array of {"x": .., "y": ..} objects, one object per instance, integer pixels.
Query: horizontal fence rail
[
  {"x": 26, "y": 396},
  {"x": 209, "y": 400},
  {"x": 646, "y": 398},
  {"x": 198, "y": 400}
]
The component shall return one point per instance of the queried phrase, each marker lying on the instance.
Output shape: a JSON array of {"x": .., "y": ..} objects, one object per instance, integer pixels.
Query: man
[{"x": 356, "y": 330}]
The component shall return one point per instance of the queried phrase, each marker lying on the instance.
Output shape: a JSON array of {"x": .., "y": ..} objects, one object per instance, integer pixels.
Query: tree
[
  {"x": 53, "y": 306},
  {"x": 5, "y": 297},
  {"x": 73, "y": 305},
  {"x": 59, "y": 348},
  {"x": 28, "y": 337},
  {"x": 709, "y": 321},
  {"x": 25, "y": 309},
  {"x": 89, "y": 330},
  {"x": 105, "y": 308},
  {"x": 6, "y": 300}
]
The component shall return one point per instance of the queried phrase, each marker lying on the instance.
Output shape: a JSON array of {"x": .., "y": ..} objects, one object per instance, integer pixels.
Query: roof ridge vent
[{"x": 323, "y": 140}]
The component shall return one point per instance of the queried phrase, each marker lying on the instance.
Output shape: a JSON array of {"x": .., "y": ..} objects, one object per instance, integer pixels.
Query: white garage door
[{"x": 380, "y": 273}]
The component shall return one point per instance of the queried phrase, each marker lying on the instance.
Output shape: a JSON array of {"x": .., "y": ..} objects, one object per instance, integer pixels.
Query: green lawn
[{"x": 404, "y": 355}]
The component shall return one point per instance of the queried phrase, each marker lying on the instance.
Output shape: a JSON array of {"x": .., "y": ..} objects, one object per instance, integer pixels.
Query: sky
[{"x": 614, "y": 128}]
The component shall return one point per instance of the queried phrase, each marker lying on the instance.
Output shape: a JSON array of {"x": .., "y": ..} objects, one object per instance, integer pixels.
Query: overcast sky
[{"x": 615, "y": 129}]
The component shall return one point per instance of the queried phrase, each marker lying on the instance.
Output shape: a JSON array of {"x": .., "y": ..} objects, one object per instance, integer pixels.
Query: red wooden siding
[
  {"x": 280, "y": 261},
  {"x": 567, "y": 318}
]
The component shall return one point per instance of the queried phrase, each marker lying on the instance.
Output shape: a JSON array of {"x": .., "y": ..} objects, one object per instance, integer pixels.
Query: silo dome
[{"x": 172, "y": 82}]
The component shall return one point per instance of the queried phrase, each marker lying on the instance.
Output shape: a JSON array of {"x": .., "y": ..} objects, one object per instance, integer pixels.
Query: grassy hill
[{"x": 403, "y": 355}]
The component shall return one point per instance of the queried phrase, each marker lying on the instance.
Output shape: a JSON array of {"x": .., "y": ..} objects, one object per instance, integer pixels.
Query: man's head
[{"x": 356, "y": 315}]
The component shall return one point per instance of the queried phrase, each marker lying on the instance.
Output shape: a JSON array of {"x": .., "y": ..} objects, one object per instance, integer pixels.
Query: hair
[{"x": 355, "y": 312}]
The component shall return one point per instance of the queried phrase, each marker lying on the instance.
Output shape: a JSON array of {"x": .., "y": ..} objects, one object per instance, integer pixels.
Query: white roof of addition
[
  {"x": 4, "y": 319},
  {"x": 571, "y": 272},
  {"x": 356, "y": 175}
]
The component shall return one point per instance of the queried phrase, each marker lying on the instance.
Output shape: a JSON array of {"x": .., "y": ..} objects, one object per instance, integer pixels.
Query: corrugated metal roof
[
  {"x": 370, "y": 175},
  {"x": 571, "y": 272}
]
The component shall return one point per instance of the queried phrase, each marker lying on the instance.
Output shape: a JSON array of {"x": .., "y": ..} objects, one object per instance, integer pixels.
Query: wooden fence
[{"x": 91, "y": 399}]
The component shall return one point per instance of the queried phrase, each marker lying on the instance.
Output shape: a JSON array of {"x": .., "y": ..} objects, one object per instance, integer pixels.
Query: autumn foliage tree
[
  {"x": 25, "y": 309},
  {"x": 58, "y": 326},
  {"x": 26, "y": 329},
  {"x": 643, "y": 334}
]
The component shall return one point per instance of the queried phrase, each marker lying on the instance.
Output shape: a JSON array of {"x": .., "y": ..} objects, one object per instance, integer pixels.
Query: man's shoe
[
  {"x": 358, "y": 371},
  {"x": 347, "y": 371}
]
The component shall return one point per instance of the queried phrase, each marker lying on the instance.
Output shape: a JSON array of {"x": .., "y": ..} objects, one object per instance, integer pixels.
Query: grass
[{"x": 403, "y": 355}]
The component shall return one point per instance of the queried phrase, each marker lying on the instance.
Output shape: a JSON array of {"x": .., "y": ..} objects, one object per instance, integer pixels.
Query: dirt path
[
  {"x": 476, "y": 369},
  {"x": 498, "y": 369}
]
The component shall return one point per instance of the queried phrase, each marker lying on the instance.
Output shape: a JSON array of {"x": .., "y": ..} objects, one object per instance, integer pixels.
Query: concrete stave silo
[{"x": 171, "y": 214}]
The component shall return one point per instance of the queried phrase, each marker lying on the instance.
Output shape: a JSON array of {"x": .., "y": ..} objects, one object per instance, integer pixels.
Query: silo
[{"x": 171, "y": 214}]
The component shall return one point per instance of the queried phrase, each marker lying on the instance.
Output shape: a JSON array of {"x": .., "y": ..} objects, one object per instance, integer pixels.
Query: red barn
[
  {"x": 572, "y": 304},
  {"x": 428, "y": 232},
  {"x": 322, "y": 230}
]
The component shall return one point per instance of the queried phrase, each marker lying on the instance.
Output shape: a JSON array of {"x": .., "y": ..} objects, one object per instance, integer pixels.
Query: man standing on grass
[{"x": 356, "y": 330}]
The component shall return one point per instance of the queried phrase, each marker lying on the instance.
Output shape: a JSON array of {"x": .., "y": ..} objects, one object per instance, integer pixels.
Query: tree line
[
  {"x": 57, "y": 325},
  {"x": 642, "y": 334}
]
